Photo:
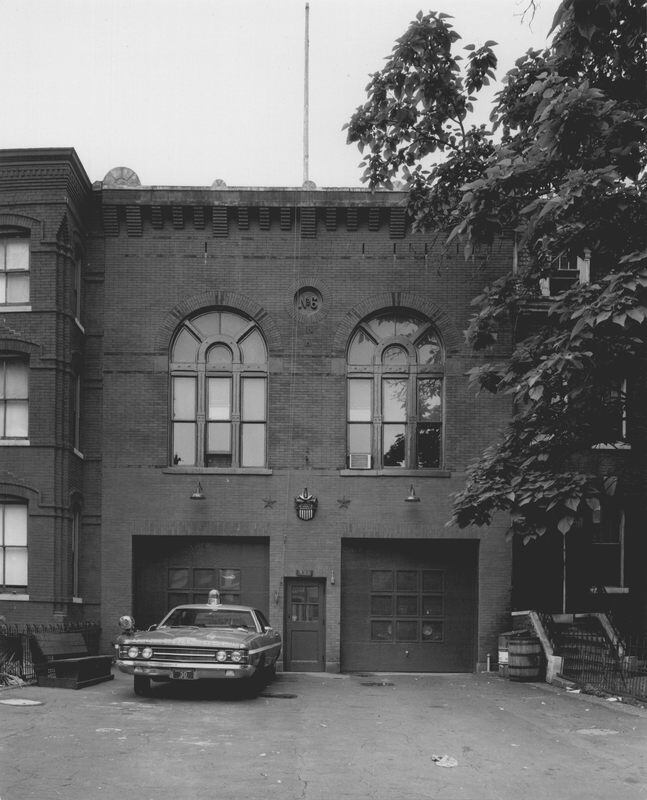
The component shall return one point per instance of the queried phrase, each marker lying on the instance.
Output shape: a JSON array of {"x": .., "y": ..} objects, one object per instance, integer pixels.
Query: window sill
[
  {"x": 395, "y": 473},
  {"x": 14, "y": 442},
  {"x": 611, "y": 446},
  {"x": 12, "y": 596},
  {"x": 13, "y": 308},
  {"x": 216, "y": 471}
]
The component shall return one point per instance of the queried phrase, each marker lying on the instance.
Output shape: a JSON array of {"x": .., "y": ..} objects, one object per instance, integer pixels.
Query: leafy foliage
[
  {"x": 567, "y": 175},
  {"x": 417, "y": 109}
]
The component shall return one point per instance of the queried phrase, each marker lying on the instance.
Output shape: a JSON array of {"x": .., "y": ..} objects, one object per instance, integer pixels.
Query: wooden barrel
[{"x": 524, "y": 658}]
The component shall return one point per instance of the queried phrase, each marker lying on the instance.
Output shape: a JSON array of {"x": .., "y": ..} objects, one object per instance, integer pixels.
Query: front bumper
[{"x": 161, "y": 670}]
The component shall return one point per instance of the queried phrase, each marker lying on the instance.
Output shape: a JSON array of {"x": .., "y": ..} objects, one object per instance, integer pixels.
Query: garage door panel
[
  {"x": 173, "y": 570},
  {"x": 408, "y": 605}
]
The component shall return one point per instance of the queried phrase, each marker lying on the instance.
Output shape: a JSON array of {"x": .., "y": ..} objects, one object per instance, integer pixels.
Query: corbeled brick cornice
[{"x": 221, "y": 220}]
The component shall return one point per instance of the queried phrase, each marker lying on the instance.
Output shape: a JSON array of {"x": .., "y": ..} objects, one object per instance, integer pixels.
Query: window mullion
[
  {"x": 378, "y": 418},
  {"x": 200, "y": 416},
  {"x": 235, "y": 418},
  {"x": 410, "y": 461}
]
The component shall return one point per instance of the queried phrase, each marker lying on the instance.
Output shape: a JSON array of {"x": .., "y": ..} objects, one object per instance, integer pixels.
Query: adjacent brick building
[{"x": 191, "y": 373}]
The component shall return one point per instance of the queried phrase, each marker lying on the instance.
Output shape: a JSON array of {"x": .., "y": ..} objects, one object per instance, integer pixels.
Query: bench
[{"x": 62, "y": 660}]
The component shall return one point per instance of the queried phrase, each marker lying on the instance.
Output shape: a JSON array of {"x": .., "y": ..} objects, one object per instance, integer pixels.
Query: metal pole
[
  {"x": 306, "y": 80},
  {"x": 563, "y": 573}
]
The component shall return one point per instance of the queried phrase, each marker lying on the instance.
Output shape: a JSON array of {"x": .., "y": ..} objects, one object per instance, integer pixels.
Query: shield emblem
[{"x": 305, "y": 505}]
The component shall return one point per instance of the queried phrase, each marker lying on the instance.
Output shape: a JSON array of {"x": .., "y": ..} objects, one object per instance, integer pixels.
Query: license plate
[{"x": 183, "y": 674}]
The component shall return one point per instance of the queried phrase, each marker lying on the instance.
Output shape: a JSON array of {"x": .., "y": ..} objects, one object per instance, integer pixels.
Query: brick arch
[
  {"x": 449, "y": 333},
  {"x": 11, "y": 341},
  {"x": 15, "y": 488},
  {"x": 217, "y": 299},
  {"x": 32, "y": 224}
]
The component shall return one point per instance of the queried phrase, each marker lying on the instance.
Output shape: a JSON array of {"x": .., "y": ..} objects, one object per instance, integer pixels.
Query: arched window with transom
[
  {"x": 218, "y": 364},
  {"x": 395, "y": 369}
]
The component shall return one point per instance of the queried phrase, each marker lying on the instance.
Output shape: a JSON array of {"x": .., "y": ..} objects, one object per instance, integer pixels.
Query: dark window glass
[
  {"x": 381, "y": 580},
  {"x": 381, "y": 630}
]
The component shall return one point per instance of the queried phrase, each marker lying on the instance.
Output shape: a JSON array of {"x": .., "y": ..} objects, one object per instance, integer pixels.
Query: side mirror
[
  {"x": 127, "y": 624},
  {"x": 267, "y": 628}
]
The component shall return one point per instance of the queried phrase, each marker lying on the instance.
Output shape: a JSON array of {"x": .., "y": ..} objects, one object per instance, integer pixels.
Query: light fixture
[
  {"x": 413, "y": 497},
  {"x": 198, "y": 494}
]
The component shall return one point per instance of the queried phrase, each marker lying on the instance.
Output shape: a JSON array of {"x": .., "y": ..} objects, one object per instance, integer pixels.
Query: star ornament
[
  {"x": 268, "y": 502},
  {"x": 344, "y": 502}
]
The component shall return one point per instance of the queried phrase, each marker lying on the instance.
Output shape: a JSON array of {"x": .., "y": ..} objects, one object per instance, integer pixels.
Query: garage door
[
  {"x": 409, "y": 605},
  {"x": 169, "y": 571}
]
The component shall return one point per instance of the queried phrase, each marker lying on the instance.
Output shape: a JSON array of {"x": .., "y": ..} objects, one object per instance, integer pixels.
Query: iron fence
[
  {"x": 595, "y": 663},
  {"x": 15, "y": 646}
]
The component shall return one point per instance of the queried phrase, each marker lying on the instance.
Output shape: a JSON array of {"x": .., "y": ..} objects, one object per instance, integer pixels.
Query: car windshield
[{"x": 207, "y": 618}]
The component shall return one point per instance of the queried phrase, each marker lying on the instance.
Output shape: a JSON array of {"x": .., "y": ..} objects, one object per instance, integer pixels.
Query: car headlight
[
  {"x": 236, "y": 656},
  {"x": 221, "y": 656},
  {"x": 133, "y": 652},
  {"x": 147, "y": 652}
]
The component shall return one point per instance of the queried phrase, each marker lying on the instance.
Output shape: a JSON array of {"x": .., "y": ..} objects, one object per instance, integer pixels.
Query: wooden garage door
[
  {"x": 409, "y": 605},
  {"x": 169, "y": 571}
]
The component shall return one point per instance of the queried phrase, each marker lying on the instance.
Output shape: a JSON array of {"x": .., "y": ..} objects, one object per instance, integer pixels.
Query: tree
[{"x": 567, "y": 175}]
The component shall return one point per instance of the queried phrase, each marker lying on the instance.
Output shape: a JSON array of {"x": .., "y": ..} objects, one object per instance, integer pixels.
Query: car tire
[{"x": 142, "y": 685}]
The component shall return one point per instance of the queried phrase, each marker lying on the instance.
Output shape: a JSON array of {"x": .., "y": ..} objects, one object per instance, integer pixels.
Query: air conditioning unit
[{"x": 359, "y": 461}]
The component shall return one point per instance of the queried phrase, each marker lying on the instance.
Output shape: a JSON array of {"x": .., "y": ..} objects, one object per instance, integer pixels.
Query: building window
[
  {"x": 608, "y": 546},
  {"x": 609, "y": 417},
  {"x": 14, "y": 269},
  {"x": 76, "y": 411},
  {"x": 14, "y": 402},
  {"x": 76, "y": 539},
  {"x": 566, "y": 271},
  {"x": 407, "y": 606},
  {"x": 219, "y": 392},
  {"x": 13, "y": 546},
  {"x": 77, "y": 288},
  {"x": 395, "y": 393},
  {"x": 192, "y": 585}
]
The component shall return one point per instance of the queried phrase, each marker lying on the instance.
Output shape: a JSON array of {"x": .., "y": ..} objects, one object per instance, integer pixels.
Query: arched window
[
  {"x": 218, "y": 392},
  {"x": 395, "y": 367}
]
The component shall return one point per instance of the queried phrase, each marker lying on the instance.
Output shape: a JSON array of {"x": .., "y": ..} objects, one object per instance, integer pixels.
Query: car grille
[{"x": 201, "y": 654}]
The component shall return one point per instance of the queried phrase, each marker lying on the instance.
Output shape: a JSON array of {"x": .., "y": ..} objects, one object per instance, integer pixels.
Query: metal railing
[
  {"x": 595, "y": 663},
  {"x": 15, "y": 646}
]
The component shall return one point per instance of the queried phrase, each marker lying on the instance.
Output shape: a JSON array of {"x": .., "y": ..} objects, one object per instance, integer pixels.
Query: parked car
[{"x": 210, "y": 641}]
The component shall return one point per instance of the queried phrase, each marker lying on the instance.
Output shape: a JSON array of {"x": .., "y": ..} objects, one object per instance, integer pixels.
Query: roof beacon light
[{"x": 214, "y": 597}]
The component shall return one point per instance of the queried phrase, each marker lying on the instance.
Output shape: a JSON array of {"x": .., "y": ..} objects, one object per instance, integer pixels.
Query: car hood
[{"x": 206, "y": 637}]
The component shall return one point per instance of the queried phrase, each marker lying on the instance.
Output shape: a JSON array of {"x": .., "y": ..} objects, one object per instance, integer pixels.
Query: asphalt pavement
[{"x": 322, "y": 737}]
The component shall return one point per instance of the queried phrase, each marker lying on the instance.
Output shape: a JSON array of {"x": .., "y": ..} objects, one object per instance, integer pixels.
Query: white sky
[{"x": 187, "y": 91}]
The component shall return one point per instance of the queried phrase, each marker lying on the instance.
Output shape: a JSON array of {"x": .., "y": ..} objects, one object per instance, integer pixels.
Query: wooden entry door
[{"x": 305, "y": 625}]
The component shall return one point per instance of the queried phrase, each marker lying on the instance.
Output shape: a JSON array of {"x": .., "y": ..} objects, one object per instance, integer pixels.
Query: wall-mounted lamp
[
  {"x": 198, "y": 494},
  {"x": 332, "y": 577},
  {"x": 413, "y": 497}
]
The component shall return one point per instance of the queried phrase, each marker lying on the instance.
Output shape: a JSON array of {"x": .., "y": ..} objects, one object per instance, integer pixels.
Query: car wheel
[{"x": 142, "y": 685}]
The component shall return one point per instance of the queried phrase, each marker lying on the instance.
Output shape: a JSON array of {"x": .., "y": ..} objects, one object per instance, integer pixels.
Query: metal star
[
  {"x": 344, "y": 502},
  {"x": 269, "y": 503}
]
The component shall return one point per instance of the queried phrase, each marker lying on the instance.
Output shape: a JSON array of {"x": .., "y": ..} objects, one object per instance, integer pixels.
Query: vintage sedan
[{"x": 205, "y": 641}]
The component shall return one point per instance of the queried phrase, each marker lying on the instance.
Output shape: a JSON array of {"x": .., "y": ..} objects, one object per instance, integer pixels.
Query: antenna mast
[{"x": 306, "y": 80}]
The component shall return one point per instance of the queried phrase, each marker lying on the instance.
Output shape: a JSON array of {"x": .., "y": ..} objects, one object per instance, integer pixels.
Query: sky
[{"x": 185, "y": 92}]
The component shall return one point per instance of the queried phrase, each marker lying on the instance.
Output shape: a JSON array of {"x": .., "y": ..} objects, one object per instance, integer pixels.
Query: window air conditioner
[{"x": 359, "y": 461}]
